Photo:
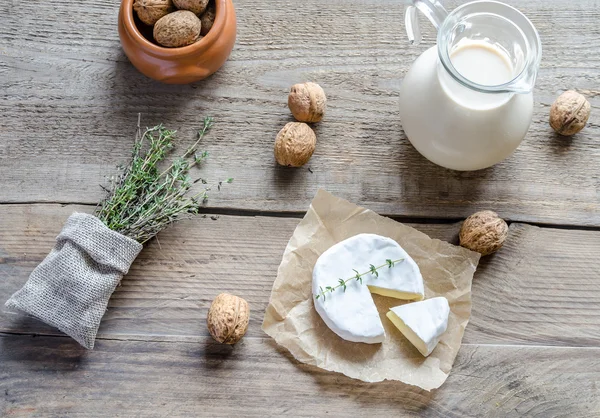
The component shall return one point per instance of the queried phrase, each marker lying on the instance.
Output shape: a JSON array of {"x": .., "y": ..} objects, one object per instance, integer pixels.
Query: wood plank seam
[
  {"x": 195, "y": 340},
  {"x": 216, "y": 210}
]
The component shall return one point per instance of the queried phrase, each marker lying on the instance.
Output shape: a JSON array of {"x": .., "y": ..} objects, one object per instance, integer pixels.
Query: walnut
[
  {"x": 228, "y": 318},
  {"x": 149, "y": 11},
  {"x": 195, "y": 6},
  {"x": 483, "y": 232},
  {"x": 208, "y": 18},
  {"x": 569, "y": 113},
  {"x": 295, "y": 144},
  {"x": 177, "y": 29},
  {"x": 307, "y": 102}
]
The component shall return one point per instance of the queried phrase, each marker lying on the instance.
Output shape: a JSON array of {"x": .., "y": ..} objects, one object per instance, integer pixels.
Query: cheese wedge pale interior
[
  {"x": 352, "y": 314},
  {"x": 422, "y": 323}
]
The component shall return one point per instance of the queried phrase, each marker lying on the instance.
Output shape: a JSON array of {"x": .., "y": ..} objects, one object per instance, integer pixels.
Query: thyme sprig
[
  {"x": 358, "y": 277},
  {"x": 143, "y": 199}
]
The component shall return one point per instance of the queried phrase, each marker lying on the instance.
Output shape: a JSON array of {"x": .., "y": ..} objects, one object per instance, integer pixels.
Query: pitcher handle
[{"x": 432, "y": 9}]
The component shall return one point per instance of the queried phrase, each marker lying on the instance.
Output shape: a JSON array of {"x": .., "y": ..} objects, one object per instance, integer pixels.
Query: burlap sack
[{"x": 71, "y": 287}]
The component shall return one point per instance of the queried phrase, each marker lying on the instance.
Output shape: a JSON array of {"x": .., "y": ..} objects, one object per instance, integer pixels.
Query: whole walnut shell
[
  {"x": 177, "y": 29},
  {"x": 149, "y": 11},
  {"x": 569, "y": 113},
  {"x": 208, "y": 18},
  {"x": 295, "y": 144},
  {"x": 307, "y": 102},
  {"x": 228, "y": 318},
  {"x": 194, "y": 6},
  {"x": 483, "y": 232}
]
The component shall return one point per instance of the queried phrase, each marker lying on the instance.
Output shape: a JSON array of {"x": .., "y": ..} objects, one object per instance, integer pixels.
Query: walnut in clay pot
[
  {"x": 177, "y": 65},
  {"x": 307, "y": 102},
  {"x": 569, "y": 113},
  {"x": 194, "y": 6},
  {"x": 483, "y": 232},
  {"x": 177, "y": 29},
  {"x": 208, "y": 18},
  {"x": 228, "y": 318},
  {"x": 150, "y": 11},
  {"x": 295, "y": 144}
]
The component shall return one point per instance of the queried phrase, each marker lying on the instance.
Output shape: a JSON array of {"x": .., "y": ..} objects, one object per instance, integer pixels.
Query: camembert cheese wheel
[{"x": 352, "y": 314}]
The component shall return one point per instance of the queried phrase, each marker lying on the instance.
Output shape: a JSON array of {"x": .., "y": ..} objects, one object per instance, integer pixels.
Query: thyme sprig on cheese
[{"x": 358, "y": 277}]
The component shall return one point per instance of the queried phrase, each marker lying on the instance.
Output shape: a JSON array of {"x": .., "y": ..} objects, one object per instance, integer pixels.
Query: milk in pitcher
[{"x": 466, "y": 103}]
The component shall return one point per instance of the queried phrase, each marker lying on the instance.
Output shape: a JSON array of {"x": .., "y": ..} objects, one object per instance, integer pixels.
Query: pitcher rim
[{"x": 511, "y": 86}]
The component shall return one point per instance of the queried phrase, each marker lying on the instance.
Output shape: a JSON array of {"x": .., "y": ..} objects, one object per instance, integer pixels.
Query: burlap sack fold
[{"x": 71, "y": 287}]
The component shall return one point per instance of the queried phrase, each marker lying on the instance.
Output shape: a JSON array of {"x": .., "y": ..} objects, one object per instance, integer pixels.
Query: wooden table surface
[{"x": 69, "y": 100}]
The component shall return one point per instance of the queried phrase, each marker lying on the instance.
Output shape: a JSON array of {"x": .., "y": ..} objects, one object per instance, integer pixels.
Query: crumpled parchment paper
[{"x": 293, "y": 322}]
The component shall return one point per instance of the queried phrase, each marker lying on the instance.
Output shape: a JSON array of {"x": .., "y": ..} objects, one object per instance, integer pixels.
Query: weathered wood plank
[
  {"x": 53, "y": 376},
  {"x": 542, "y": 288},
  {"x": 70, "y": 99}
]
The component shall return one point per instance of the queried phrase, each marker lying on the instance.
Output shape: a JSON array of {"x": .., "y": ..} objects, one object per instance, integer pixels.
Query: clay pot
[{"x": 177, "y": 65}]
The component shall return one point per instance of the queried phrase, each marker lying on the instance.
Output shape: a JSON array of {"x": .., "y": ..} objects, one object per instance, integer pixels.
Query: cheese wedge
[
  {"x": 422, "y": 323},
  {"x": 352, "y": 314}
]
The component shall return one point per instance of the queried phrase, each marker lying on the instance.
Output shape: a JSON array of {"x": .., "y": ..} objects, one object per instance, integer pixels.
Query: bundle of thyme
[{"x": 144, "y": 199}]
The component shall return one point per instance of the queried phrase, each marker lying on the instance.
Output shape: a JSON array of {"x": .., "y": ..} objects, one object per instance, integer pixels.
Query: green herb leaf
[
  {"x": 374, "y": 270},
  {"x": 358, "y": 276}
]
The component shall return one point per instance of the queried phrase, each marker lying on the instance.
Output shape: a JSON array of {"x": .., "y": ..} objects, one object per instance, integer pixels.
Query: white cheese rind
[
  {"x": 422, "y": 323},
  {"x": 352, "y": 314}
]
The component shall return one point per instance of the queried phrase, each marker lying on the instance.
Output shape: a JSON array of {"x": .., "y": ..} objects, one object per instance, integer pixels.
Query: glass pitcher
[{"x": 467, "y": 103}]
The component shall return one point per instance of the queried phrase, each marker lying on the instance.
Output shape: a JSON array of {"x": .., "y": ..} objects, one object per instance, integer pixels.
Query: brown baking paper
[{"x": 293, "y": 322}]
